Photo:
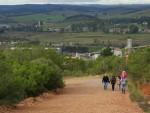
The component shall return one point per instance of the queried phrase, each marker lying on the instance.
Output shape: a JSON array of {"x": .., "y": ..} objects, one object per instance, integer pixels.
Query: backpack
[
  {"x": 118, "y": 81},
  {"x": 113, "y": 81}
]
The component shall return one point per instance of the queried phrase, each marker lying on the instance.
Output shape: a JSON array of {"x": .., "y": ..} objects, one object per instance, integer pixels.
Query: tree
[
  {"x": 107, "y": 52},
  {"x": 148, "y": 25},
  {"x": 1, "y": 31},
  {"x": 133, "y": 29}
]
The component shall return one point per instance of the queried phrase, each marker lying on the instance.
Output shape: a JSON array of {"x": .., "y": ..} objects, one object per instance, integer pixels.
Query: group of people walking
[{"x": 120, "y": 81}]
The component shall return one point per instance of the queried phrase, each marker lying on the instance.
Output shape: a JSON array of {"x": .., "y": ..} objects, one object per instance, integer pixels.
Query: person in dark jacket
[
  {"x": 105, "y": 81},
  {"x": 113, "y": 82}
]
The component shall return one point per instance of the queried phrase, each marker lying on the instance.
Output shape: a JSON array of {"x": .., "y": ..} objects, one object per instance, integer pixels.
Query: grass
[
  {"x": 137, "y": 96},
  {"x": 121, "y": 14},
  {"x": 38, "y": 17},
  {"x": 81, "y": 38},
  {"x": 139, "y": 14}
]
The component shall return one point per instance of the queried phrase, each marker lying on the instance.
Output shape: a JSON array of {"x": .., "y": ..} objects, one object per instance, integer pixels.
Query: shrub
[
  {"x": 135, "y": 93},
  {"x": 23, "y": 74}
]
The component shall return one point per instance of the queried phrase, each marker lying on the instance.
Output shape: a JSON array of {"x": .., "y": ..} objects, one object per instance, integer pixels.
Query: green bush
[
  {"x": 13, "y": 91},
  {"x": 145, "y": 107},
  {"x": 135, "y": 93},
  {"x": 10, "y": 85},
  {"x": 25, "y": 73}
]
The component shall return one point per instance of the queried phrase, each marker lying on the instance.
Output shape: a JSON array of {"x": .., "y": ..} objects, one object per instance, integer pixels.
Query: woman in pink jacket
[
  {"x": 123, "y": 81},
  {"x": 123, "y": 74}
]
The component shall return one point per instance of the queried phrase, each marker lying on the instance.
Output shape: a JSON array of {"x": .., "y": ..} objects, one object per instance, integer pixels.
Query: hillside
[
  {"x": 77, "y": 24},
  {"x": 140, "y": 13},
  {"x": 51, "y": 12}
]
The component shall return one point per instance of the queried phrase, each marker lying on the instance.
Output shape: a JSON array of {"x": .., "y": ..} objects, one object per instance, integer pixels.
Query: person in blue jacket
[{"x": 123, "y": 83}]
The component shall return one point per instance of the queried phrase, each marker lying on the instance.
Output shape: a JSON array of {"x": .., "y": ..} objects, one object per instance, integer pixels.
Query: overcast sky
[{"x": 9, "y": 2}]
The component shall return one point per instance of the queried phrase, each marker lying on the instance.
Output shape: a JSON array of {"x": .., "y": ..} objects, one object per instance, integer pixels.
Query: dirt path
[{"x": 84, "y": 95}]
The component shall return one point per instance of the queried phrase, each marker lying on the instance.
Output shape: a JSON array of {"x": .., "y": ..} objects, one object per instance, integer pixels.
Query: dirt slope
[
  {"x": 84, "y": 95},
  {"x": 146, "y": 90}
]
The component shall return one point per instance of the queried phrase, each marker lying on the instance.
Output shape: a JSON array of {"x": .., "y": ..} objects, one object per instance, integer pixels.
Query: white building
[
  {"x": 129, "y": 45},
  {"x": 117, "y": 52},
  {"x": 95, "y": 56}
]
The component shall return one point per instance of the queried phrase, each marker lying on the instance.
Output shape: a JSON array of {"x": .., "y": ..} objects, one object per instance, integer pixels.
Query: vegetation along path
[{"x": 84, "y": 95}]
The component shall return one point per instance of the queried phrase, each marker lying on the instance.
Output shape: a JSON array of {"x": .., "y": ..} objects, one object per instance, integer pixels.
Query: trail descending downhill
[{"x": 84, "y": 95}]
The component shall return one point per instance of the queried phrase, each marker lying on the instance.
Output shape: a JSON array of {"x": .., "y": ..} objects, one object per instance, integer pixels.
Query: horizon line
[{"x": 71, "y": 4}]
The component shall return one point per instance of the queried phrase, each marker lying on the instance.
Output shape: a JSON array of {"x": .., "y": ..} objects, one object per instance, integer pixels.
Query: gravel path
[{"x": 84, "y": 95}]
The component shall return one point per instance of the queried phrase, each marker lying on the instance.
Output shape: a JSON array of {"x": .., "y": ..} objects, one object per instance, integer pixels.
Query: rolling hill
[{"x": 53, "y": 12}]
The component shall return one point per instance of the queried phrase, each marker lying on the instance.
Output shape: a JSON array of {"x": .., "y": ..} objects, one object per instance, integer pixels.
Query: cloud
[
  {"x": 74, "y": 2},
  {"x": 124, "y": 2},
  {"x": 48, "y": 1}
]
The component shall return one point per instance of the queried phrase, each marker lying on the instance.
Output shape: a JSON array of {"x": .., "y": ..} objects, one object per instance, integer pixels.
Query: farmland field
[
  {"x": 81, "y": 38},
  {"x": 37, "y": 17},
  {"x": 26, "y": 19}
]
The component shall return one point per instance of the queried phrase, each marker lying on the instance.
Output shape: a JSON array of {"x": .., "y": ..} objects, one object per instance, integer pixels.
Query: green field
[
  {"x": 38, "y": 17},
  {"x": 81, "y": 38}
]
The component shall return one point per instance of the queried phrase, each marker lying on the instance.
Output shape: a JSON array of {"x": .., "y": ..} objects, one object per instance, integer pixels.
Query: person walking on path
[
  {"x": 113, "y": 82},
  {"x": 105, "y": 81},
  {"x": 123, "y": 74},
  {"x": 123, "y": 83},
  {"x": 118, "y": 82}
]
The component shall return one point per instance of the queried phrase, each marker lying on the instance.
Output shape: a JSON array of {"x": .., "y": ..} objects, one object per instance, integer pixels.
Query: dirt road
[{"x": 84, "y": 95}]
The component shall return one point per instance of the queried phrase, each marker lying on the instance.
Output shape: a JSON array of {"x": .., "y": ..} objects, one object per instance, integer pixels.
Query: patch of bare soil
[
  {"x": 28, "y": 102},
  {"x": 146, "y": 90},
  {"x": 81, "y": 95},
  {"x": 7, "y": 108},
  {"x": 34, "y": 100}
]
